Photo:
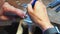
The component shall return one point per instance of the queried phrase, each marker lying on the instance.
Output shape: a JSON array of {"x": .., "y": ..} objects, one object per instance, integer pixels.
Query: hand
[
  {"x": 39, "y": 15},
  {"x": 8, "y": 8}
]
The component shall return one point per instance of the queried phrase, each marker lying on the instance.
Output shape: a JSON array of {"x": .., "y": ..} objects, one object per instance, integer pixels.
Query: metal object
[
  {"x": 14, "y": 15},
  {"x": 57, "y": 29},
  {"x": 53, "y": 13},
  {"x": 28, "y": 19},
  {"x": 54, "y": 3},
  {"x": 58, "y": 9}
]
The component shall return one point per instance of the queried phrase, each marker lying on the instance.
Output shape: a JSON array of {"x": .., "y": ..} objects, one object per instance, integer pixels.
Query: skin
[
  {"x": 7, "y": 7},
  {"x": 38, "y": 14}
]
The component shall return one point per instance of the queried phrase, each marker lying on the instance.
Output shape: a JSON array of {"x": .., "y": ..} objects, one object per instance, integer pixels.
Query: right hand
[{"x": 39, "y": 15}]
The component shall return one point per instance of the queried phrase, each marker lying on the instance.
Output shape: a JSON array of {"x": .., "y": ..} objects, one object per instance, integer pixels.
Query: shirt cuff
[{"x": 52, "y": 31}]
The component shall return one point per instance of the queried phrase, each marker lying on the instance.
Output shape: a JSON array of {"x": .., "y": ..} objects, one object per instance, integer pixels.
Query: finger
[
  {"x": 8, "y": 7},
  {"x": 31, "y": 2},
  {"x": 37, "y": 4},
  {"x": 30, "y": 9},
  {"x": 20, "y": 13},
  {"x": 3, "y": 18}
]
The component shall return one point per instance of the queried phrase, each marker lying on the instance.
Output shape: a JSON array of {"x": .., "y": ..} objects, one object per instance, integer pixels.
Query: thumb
[{"x": 30, "y": 9}]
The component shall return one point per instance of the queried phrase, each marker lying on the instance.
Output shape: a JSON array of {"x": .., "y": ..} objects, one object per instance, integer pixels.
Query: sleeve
[{"x": 52, "y": 31}]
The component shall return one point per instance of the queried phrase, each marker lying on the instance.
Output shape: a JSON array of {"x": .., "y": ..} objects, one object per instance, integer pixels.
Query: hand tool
[{"x": 28, "y": 19}]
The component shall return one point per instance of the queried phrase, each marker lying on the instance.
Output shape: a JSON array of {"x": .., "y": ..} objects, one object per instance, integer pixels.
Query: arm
[{"x": 39, "y": 16}]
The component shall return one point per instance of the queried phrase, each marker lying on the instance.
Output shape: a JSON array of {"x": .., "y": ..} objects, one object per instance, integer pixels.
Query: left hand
[{"x": 8, "y": 8}]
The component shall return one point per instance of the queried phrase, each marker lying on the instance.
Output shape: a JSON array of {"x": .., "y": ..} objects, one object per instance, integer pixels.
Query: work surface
[{"x": 54, "y": 17}]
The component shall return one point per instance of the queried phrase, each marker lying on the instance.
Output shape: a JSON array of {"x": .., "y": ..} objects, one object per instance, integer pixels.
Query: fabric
[{"x": 51, "y": 31}]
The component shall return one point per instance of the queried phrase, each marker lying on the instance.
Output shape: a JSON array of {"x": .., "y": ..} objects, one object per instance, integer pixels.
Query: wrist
[{"x": 45, "y": 27}]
